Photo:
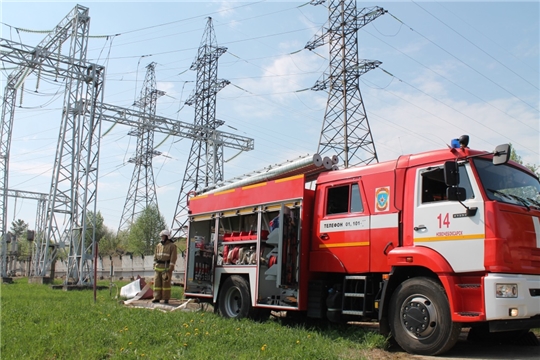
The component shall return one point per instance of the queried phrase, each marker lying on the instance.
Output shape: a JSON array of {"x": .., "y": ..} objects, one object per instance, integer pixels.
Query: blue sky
[{"x": 450, "y": 68}]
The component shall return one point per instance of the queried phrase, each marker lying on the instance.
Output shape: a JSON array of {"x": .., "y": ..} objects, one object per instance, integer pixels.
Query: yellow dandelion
[
  {"x": 185, "y": 325},
  {"x": 191, "y": 320},
  {"x": 121, "y": 349},
  {"x": 298, "y": 341},
  {"x": 263, "y": 347},
  {"x": 237, "y": 329},
  {"x": 206, "y": 333},
  {"x": 308, "y": 336},
  {"x": 142, "y": 354},
  {"x": 120, "y": 330},
  {"x": 185, "y": 345},
  {"x": 126, "y": 328},
  {"x": 108, "y": 314},
  {"x": 130, "y": 343}
]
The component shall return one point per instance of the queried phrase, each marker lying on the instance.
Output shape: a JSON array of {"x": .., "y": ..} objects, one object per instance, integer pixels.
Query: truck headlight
[{"x": 506, "y": 290}]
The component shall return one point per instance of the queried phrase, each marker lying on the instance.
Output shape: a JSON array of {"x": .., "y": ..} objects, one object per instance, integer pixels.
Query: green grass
[{"x": 39, "y": 322}]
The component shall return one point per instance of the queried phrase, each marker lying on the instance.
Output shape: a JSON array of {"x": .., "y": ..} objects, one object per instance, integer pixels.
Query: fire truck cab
[{"x": 424, "y": 244}]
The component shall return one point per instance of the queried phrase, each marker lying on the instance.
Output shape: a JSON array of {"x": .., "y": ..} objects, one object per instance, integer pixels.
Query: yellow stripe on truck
[
  {"x": 327, "y": 246},
  {"x": 450, "y": 237}
]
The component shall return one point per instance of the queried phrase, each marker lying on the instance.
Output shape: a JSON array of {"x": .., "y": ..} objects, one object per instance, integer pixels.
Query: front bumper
[
  {"x": 527, "y": 301},
  {"x": 517, "y": 324}
]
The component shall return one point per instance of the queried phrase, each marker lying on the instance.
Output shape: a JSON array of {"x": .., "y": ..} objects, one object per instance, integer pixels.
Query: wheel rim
[
  {"x": 233, "y": 302},
  {"x": 418, "y": 316}
]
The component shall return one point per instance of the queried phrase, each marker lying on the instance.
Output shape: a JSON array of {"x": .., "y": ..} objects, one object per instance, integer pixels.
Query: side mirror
[
  {"x": 501, "y": 155},
  {"x": 456, "y": 194},
  {"x": 451, "y": 173}
]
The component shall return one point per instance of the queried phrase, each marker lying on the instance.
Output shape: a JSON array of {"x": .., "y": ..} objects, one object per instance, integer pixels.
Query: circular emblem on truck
[{"x": 382, "y": 196}]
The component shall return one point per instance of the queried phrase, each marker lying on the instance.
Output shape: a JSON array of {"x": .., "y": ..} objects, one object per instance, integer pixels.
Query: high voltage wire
[
  {"x": 237, "y": 41},
  {"x": 449, "y": 80},
  {"x": 478, "y": 47},
  {"x": 254, "y": 38},
  {"x": 487, "y": 37},
  {"x": 467, "y": 65},
  {"x": 451, "y": 107}
]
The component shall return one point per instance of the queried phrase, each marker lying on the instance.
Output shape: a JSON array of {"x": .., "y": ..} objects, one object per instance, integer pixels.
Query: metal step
[
  {"x": 353, "y": 295},
  {"x": 352, "y": 312},
  {"x": 355, "y": 277}
]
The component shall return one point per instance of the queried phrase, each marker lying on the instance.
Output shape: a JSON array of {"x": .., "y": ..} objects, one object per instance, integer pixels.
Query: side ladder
[{"x": 358, "y": 295}]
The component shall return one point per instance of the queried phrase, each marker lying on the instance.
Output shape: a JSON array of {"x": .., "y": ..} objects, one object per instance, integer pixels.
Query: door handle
[
  {"x": 420, "y": 227},
  {"x": 324, "y": 236}
]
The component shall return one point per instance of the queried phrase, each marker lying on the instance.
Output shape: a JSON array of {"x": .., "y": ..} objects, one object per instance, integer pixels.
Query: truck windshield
[{"x": 508, "y": 184}]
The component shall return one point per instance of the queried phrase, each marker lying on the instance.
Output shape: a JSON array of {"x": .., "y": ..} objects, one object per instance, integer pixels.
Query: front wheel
[
  {"x": 420, "y": 317},
  {"x": 234, "y": 299}
]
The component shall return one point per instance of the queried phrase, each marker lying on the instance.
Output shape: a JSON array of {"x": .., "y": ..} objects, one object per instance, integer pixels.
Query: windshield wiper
[
  {"x": 535, "y": 202},
  {"x": 521, "y": 200},
  {"x": 512, "y": 197},
  {"x": 500, "y": 193}
]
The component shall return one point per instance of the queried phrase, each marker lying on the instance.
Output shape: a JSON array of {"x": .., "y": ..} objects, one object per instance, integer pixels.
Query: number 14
[{"x": 444, "y": 221}]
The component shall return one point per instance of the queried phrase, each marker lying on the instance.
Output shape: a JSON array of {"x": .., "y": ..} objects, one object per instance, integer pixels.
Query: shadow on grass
[{"x": 367, "y": 332}]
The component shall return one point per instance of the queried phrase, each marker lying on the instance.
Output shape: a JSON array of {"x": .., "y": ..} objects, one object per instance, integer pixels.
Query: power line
[
  {"x": 478, "y": 47},
  {"x": 467, "y": 65},
  {"x": 456, "y": 110},
  {"x": 490, "y": 39},
  {"x": 449, "y": 80}
]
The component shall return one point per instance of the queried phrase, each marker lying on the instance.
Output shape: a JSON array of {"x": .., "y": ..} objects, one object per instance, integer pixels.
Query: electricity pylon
[
  {"x": 205, "y": 162},
  {"x": 64, "y": 221},
  {"x": 74, "y": 180},
  {"x": 345, "y": 131},
  {"x": 142, "y": 188}
]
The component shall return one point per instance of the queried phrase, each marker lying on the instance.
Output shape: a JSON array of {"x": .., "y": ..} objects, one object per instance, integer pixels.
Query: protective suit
[{"x": 164, "y": 260}]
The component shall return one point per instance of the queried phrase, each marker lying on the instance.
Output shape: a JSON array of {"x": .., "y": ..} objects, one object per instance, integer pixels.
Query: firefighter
[{"x": 164, "y": 260}]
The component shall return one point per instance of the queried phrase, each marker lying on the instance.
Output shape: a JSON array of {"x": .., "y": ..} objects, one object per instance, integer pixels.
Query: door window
[
  {"x": 344, "y": 199},
  {"x": 434, "y": 186}
]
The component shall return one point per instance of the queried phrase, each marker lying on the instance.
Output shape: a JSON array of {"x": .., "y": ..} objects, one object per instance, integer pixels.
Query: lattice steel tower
[
  {"x": 205, "y": 162},
  {"x": 74, "y": 180},
  {"x": 345, "y": 131},
  {"x": 142, "y": 189}
]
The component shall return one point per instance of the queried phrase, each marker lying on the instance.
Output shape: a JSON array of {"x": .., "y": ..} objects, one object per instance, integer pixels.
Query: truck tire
[
  {"x": 420, "y": 318},
  {"x": 234, "y": 299}
]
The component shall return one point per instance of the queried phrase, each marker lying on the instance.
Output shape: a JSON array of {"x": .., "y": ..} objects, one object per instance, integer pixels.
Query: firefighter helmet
[{"x": 165, "y": 232}]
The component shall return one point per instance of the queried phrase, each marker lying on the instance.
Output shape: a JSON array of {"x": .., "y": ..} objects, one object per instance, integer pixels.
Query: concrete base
[
  {"x": 39, "y": 280},
  {"x": 78, "y": 287},
  {"x": 7, "y": 280}
]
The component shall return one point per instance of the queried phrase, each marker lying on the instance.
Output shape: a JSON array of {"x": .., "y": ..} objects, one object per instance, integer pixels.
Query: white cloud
[
  {"x": 416, "y": 123},
  {"x": 226, "y": 9}
]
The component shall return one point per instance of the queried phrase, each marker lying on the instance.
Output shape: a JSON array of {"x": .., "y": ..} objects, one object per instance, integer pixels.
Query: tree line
[{"x": 139, "y": 238}]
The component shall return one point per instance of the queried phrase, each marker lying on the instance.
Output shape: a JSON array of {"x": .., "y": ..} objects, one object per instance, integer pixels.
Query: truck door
[
  {"x": 445, "y": 226},
  {"x": 342, "y": 230},
  {"x": 200, "y": 257}
]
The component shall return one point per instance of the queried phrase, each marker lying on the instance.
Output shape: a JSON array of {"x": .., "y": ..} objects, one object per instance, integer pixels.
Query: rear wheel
[
  {"x": 234, "y": 299},
  {"x": 420, "y": 317}
]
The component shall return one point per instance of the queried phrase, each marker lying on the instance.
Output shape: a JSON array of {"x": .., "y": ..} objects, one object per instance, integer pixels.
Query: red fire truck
[{"x": 425, "y": 245}]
